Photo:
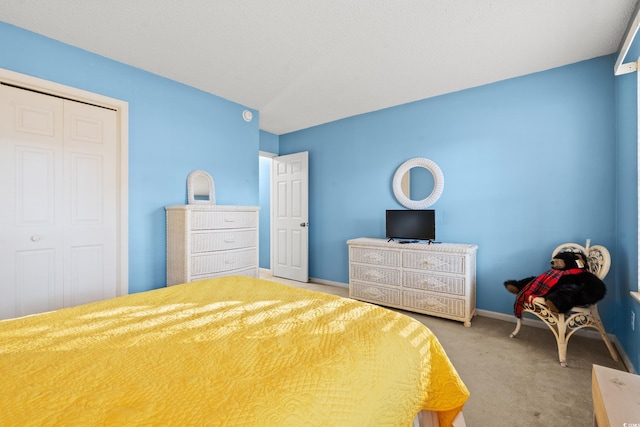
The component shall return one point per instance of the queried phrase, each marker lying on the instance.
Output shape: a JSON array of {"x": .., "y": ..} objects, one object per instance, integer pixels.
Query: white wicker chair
[{"x": 563, "y": 325}]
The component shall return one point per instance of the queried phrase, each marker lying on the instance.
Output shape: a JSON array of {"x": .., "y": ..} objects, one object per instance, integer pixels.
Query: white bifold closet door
[{"x": 57, "y": 202}]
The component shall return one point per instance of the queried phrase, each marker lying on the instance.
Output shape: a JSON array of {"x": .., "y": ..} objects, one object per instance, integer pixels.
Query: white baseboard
[
  {"x": 269, "y": 272},
  {"x": 328, "y": 282},
  {"x": 625, "y": 359}
]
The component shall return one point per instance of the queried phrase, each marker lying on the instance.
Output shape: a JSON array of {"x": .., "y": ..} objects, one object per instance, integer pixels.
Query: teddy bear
[{"x": 567, "y": 284}]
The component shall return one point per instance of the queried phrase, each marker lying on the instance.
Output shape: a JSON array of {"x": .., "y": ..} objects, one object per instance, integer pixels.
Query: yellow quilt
[{"x": 232, "y": 351}]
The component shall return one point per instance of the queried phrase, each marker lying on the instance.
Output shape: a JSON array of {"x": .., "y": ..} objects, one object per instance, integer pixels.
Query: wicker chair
[{"x": 563, "y": 325}]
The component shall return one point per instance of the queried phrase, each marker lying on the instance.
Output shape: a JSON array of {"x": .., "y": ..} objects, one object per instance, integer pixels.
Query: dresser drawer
[
  {"x": 223, "y": 261},
  {"x": 452, "y": 285},
  {"x": 442, "y": 262},
  {"x": 370, "y": 273},
  {"x": 375, "y": 256},
  {"x": 374, "y": 293},
  {"x": 222, "y": 220},
  {"x": 249, "y": 272},
  {"x": 208, "y": 241},
  {"x": 434, "y": 303}
]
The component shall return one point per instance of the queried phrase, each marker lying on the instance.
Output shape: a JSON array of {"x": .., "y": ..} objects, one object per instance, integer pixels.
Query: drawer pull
[
  {"x": 229, "y": 241},
  {"x": 372, "y": 293},
  {"x": 373, "y": 256},
  {"x": 433, "y": 262},
  {"x": 229, "y": 261},
  {"x": 229, "y": 220},
  {"x": 430, "y": 303},
  {"x": 374, "y": 275},
  {"x": 434, "y": 283}
]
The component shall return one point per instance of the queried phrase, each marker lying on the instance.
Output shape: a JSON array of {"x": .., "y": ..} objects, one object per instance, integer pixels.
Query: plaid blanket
[{"x": 539, "y": 287}]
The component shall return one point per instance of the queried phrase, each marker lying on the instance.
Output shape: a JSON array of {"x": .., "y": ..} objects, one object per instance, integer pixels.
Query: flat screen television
[{"x": 411, "y": 224}]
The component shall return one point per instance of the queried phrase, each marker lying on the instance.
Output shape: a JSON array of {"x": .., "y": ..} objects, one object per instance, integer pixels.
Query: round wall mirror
[
  {"x": 417, "y": 183},
  {"x": 404, "y": 189}
]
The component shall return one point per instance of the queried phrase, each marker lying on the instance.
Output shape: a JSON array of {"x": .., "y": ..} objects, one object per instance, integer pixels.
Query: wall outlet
[{"x": 633, "y": 320}]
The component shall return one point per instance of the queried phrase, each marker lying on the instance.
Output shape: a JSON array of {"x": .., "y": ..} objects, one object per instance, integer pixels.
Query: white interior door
[
  {"x": 58, "y": 217},
  {"x": 290, "y": 216}
]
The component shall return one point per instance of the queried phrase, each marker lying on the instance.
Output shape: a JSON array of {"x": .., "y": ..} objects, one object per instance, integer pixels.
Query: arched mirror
[
  {"x": 200, "y": 188},
  {"x": 418, "y": 183}
]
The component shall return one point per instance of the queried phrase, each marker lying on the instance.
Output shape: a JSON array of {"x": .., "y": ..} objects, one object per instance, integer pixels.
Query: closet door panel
[
  {"x": 35, "y": 174},
  {"x": 90, "y": 180},
  {"x": 31, "y": 186},
  {"x": 86, "y": 281},
  {"x": 35, "y": 281}
]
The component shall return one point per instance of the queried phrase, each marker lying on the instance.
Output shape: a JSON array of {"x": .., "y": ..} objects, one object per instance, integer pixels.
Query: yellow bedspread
[{"x": 224, "y": 352}]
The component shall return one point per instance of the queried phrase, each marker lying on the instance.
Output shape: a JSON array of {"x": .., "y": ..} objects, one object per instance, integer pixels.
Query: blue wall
[
  {"x": 269, "y": 142},
  {"x": 627, "y": 209},
  {"x": 173, "y": 129},
  {"x": 529, "y": 163}
]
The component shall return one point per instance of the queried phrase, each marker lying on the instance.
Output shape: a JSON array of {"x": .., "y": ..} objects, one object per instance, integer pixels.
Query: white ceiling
[{"x": 302, "y": 63}]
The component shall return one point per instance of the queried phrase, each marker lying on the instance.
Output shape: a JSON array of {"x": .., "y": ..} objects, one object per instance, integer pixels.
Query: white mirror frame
[
  {"x": 438, "y": 183},
  {"x": 193, "y": 178}
]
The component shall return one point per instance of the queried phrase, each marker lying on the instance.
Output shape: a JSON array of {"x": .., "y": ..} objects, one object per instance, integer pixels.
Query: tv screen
[{"x": 411, "y": 224}]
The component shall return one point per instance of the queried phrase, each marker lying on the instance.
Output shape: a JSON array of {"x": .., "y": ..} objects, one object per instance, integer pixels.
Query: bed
[{"x": 231, "y": 351}]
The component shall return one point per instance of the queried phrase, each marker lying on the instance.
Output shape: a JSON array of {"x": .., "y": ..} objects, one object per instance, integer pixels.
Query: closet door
[
  {"x": 89, "y": 205},
  {"x": 57, "y": 216}
]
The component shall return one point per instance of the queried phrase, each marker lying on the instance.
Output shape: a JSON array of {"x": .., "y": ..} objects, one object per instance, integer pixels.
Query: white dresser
[
  {"x": 438, "y": 279},
  {"x": 206, "y": 241}
]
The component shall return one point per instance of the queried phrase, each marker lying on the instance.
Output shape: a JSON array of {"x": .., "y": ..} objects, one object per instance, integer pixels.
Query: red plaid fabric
[{"x": 539, "y": 287}]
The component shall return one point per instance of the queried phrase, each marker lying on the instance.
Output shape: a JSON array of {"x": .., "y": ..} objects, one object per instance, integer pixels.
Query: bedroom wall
[
  {"x": 529, "y": 163},
  {"x": 173, "y": 129},
  {"x": 627, "y": 209}
]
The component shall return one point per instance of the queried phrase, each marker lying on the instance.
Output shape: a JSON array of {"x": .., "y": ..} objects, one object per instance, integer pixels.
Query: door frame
[
  {"x": 122, "y": 146},
  {"x": 269, "y": 156}
]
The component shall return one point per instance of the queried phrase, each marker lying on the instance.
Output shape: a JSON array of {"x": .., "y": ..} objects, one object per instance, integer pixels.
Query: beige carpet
[{"x": 514, "y": 382}]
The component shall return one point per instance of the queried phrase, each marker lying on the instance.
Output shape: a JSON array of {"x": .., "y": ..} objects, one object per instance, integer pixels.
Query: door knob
[
  {"x": 35, "y": 238},
  {"x": 304, "y": 224}
]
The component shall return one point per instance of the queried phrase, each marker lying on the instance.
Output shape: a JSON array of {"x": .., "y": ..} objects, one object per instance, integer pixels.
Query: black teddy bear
[{"x": 569, "y": 283}]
